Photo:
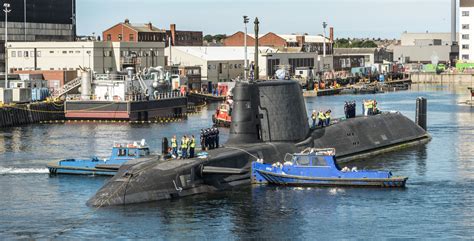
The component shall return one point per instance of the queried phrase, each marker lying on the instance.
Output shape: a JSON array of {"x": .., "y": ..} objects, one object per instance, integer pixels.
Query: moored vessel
[
  {"x": 144, "y": 96},
  {"x": 121, "y": 153},
  {"x": 222, "y": 116},
  {"x": 318, "y": 167}
]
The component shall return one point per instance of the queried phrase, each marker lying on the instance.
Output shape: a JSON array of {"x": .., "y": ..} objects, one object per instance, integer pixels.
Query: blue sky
[{"x": 350, "y": 18}]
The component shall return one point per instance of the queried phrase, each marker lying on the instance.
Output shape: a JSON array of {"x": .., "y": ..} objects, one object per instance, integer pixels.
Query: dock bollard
[
  {"x": 421, "y": 110},
  {"x": 164, "y": 148}
]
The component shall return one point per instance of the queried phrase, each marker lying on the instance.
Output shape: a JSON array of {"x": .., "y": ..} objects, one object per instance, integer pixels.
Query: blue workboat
[
  {"x": 121, "y": 153},
  {"x": 318, "y": 167}
]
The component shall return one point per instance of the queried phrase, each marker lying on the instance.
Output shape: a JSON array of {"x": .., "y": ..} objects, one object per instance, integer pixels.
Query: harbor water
[{"x": 437, "y": 203}]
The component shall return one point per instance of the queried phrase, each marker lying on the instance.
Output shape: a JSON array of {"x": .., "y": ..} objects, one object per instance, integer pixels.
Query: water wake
[{"x": 17, "y": 170}]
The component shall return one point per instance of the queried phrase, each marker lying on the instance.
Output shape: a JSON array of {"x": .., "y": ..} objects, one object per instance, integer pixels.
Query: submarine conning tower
[{"x": 268, "y": 111}]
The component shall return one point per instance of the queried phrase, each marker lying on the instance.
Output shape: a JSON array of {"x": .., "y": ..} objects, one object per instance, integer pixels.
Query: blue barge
[
  {"x": 317, "y": 167},
  {"x": 121, "y": 153}
]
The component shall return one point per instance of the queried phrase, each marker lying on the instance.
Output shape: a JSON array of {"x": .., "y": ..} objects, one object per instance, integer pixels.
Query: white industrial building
[
  {"x": 466, "y": 28},
  {"x": 101, "y": 57},
  {"x": 423, "y": 48},
  {"x": 223, "y": 64}
]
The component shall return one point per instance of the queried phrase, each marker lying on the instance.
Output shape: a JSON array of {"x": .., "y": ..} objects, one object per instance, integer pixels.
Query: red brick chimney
[
  {"x": 331, "y": 34},
  {"x": 149, "y": 26},
  {"x": 300, "y": 40},
  {"x": 173, "y": 33}
]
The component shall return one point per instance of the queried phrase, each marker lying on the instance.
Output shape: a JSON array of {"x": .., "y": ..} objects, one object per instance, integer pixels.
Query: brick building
[
  {"x": 128, "y": 32},
  {"x": 299, "y": 42}
]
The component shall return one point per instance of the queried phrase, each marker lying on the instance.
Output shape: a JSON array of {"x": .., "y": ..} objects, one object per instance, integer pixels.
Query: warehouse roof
[
  {"x": 215, "y": 53},
  {"x": 291, "y": 38}
]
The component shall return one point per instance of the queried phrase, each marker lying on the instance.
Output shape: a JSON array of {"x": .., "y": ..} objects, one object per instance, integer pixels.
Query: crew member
[
  {"x": 328, "y": 117},
  {"x": 375, "y": 110},
  {"x": 207, "y": 139},
  {"x": 365, "y": 108},
  {"x": 203, "y": 140},
  {"x": 322, "y": 119},
  {"x": 211, "y": 139},
  {"x": 370, "y": 107},
  {"x": 217, "y": 137},
  {"x": 184, "y": 147},
  {"x": 192, "y": 145},
  {"x": 174, "y": 145},
  {"x": 314, "y": 117}
]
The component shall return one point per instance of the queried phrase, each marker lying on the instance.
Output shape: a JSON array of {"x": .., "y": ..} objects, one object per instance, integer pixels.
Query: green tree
[
  {"x": 219, "y": 37},
  {"x": 208, "y": 38}
]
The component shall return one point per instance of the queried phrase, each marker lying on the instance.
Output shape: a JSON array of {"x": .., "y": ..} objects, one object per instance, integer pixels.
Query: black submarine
[{"x": 269, "y": 120}]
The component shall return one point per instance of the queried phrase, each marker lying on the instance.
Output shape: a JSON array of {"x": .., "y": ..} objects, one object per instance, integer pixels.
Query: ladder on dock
[{"x": 67, "y": 87}]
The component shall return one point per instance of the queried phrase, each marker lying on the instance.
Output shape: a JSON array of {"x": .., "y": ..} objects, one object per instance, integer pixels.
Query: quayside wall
[
  {"x": 21, "y": 114},
  {"x": 433, "y": 78}
]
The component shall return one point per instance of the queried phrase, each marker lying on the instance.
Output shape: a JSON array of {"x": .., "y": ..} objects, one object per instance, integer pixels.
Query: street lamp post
[
  {"x": 246, "y": 20},
  {"x": 89, "y": 53},
  {"x": 256, "y": 70},
  {"x": 324, "y": 40},
  {"x": 6, "y": 10},
  {"x": 152, "y": 59}
]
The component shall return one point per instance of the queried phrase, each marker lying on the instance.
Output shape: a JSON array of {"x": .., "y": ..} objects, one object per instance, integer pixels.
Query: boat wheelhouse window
[
  {"x": 303, "y": 161},
  {"x": 122, "y": 152},
  {"x": 144, "y": 152},
  {"x": 132, "y": 152},
  {"x": 319, "y": 161}
]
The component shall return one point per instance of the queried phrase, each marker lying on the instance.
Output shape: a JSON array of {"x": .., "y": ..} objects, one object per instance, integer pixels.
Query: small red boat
[{"x": 222, "y": 117}]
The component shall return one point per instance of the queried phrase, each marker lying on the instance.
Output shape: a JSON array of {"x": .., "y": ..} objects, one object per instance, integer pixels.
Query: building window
[
  {"x": 26, "y": 54},
  {"x": 120, "y": 37},
  {"x": 465, "y": 36},
  {"x": 465, "y": 13},
  {"x": 272, "y": 66},
  {"x": 465, "y": 46},
  {"x": 20, "y": 53},
  {"x": 38, "y": 53},
  {"x": 71, "y": 52},
  {"x": 51, "y": 52},
  {"x": 13, "y": 54},
  {"x": 303, "y": 62},
  {"x": 131, "y": 37},
  {"x": 107, "y": 53},
  {"x": 78, "y": 51},
  {"x": 465, "y": 26},
  {"x": 64, "y": 52},
  {"x": 465, "y": 56},
  {"x": 109, "y": 37}
]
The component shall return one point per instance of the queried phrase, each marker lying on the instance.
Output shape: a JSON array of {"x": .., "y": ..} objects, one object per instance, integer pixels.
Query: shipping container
[
  {"x": 21, "y": 95},
  {"x": 39, "y": 94},
  {"x": 6, "y": 96}
]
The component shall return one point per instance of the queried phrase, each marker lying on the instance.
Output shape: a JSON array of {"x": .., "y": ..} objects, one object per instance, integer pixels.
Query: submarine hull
[{"x": 269, "y": 120}]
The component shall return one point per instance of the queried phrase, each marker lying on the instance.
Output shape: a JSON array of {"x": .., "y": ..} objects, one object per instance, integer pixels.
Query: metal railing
[
  {"x": 169, "y": 95},
  {"x": 110, "y": 77},
  {"x": 67, "y": 87}
]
